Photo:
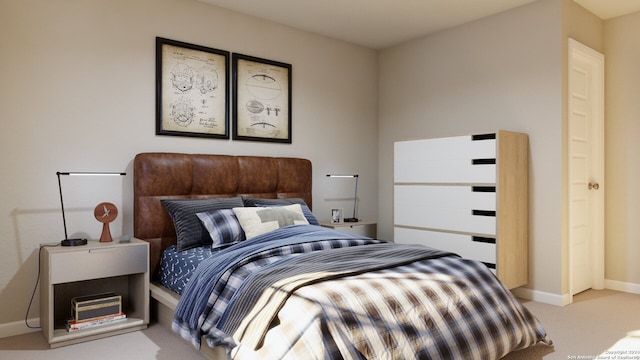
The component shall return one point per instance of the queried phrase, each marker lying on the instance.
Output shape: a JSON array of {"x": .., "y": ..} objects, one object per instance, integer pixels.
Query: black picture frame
[
  {"x": 192, "y": 90},
  {"x": 262, "y": 99}
]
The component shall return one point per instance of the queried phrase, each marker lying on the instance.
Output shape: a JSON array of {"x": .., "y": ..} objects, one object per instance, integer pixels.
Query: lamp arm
[
  {"x": 79, "y": 241},
  {"x": 64, "y": 220},
  {"x": 355, "y": 198},
  {"x": 355, "y": 195}
]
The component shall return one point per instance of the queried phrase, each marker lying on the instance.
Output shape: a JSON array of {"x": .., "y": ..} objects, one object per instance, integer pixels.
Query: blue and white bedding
[{"x": 341, "y": 296}]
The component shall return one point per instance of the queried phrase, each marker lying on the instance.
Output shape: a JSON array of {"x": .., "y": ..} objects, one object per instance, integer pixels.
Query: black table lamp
[
  {"x": 77, "y": 241},
  {"x": 355, "y": 195}
]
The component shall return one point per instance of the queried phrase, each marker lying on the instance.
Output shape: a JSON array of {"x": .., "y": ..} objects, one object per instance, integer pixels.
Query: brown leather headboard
[{"x": 160, "y": 176}]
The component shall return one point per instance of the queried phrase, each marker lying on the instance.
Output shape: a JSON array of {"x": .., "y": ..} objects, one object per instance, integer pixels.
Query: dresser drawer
[
  {"x": 461, "y": 171},
  {"x": 463, "y": 245},
  {"x": 447, "y": 160},
  {"x": 442, "y": 196},
  {"x": 98, "y": 262},
  {"x": 454, "y": 208}
]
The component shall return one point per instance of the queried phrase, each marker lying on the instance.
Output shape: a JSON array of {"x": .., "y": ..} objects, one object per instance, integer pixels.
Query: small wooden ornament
[{"x": 105, "y": 212}]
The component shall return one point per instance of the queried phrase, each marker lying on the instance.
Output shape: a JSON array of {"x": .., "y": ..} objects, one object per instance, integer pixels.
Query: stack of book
[
  {"x": 73, "y": 325},
  {"x": 95, "y": 310}
]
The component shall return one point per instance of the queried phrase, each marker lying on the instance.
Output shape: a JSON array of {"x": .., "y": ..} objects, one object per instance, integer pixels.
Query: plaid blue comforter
[{"x": 434, "y": 306}]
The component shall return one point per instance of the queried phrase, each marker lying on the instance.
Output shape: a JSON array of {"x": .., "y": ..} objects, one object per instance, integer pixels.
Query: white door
[{"x": 586, "y": 168}]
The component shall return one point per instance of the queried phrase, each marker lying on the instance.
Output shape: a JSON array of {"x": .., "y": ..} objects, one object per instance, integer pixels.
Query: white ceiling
[{"x": 377, "y": 24}]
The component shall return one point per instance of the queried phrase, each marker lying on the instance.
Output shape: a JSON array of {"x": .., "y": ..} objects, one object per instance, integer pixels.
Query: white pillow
[{"x": 259, "y": 220}]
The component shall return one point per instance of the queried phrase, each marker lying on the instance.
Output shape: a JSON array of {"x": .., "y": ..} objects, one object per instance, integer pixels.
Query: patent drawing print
[
  {"x": 192, "y": 92},
  {"x": 262, "y": 92}
]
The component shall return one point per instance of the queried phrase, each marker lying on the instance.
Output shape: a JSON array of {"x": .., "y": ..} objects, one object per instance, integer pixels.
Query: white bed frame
[{"x": 163, "y": 305}]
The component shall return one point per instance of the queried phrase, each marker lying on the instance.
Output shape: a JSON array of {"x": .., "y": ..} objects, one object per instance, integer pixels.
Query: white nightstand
[
  {"x": 364, "y": 228},
  {"x": 71, "y": 271}
]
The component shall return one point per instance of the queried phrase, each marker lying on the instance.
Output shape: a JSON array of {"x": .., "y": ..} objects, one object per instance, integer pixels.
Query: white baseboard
[
  {"x": 541, "y": 296},
  {"x": 566, "y": 299},
  {"x": 18, "y": 328},
  {"x": 622, "y": 286}
]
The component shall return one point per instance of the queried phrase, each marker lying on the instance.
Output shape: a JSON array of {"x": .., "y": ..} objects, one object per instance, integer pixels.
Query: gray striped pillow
[{"x": 189, "y": 230}]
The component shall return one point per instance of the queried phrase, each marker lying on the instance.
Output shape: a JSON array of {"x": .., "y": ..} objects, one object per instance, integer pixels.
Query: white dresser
[{"x": 467, "y": 195}]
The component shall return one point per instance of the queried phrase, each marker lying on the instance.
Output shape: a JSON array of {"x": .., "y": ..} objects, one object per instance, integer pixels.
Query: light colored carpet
[
  {"x": 155, "y": 342},
  {"x": 589, "y": 326},
  {"x": 595, "y": 321}
]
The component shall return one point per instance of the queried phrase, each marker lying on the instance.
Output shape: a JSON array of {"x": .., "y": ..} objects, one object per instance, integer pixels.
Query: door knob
[{"x": 594, "y": 186}]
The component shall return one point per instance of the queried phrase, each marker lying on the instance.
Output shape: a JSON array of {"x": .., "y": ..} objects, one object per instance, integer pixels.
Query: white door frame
[{"x": 595, "y": 60}]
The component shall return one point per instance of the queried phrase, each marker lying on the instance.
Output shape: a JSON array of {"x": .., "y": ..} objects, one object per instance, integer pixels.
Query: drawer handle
[
  {"x": 489, "y": 265},
  {"x": 483, "y": 212},
  {"x": 483, "y": 161},
  {"x": 483, "y": 239},
  {"x": 483, "y": 189},
  {"x": 483, "y": 137}
]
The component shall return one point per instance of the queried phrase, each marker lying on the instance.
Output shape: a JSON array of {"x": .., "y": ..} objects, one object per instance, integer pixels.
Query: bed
[{"x": 264, "y": 280}]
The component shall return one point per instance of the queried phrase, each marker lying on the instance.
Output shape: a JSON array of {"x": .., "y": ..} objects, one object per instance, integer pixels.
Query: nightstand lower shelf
[{"x": 62, "y": 337}]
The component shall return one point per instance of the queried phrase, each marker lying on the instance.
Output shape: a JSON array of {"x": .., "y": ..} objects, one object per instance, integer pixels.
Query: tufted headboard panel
[{"x": 160, "y": 176}]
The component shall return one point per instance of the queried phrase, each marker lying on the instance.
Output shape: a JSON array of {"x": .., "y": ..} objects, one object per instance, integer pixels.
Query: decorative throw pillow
[
  {"x": 259, "y": 220},
  {"x": 189, "y": 230},
  {"x": 223, "y": 227},
  {"x": 283, "y": 202}
]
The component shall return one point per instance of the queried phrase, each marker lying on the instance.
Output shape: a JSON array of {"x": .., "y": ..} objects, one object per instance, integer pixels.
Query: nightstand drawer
[
  {"x": 362, "y": 228},
  {"x": 98, "y": 262}
]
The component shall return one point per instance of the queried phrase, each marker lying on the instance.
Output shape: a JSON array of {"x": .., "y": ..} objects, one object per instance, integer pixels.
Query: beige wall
[
  {"x": 78, "y": 95},
  {"x": 501, "y": 72},
  {"x": 622, "y": 127}
]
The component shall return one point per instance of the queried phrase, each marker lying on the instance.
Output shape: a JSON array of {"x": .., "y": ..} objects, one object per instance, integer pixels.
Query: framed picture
[
  {"x": 336, "y": 216},
  {"x": 192, "y": 92},
  {"x": 262, "y": 93}
]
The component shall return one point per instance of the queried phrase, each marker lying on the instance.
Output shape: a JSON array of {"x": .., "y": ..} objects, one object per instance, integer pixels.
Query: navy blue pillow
[{"x": 189, "y": 230}]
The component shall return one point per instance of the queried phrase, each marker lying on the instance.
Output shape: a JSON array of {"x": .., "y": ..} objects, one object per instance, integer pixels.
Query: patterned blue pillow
[{"x": 223, "y": 227}]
